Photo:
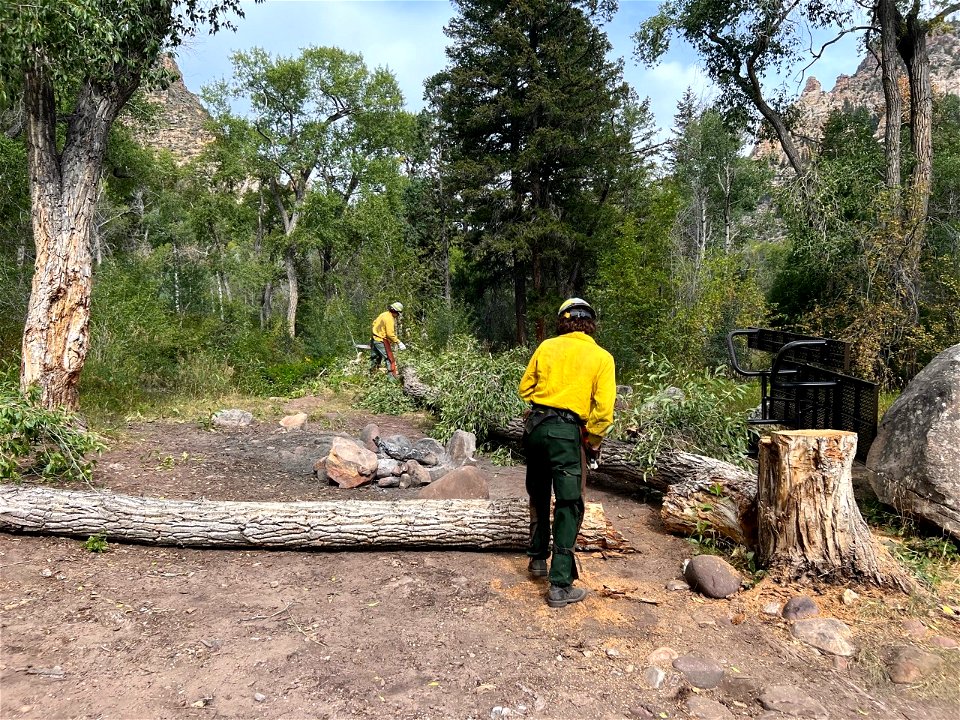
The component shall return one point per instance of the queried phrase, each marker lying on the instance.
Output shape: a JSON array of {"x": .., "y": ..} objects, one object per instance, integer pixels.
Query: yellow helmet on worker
[
  {"x": 576, "y": 308},
  {"x": 397, "y": 307}
]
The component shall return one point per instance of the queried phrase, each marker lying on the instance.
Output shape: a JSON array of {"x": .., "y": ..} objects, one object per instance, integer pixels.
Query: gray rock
[
  {"x": 418, "y": 473},
  {"x": 849, "y": 597},
  {"x": 916, "y": 453},
  {"x": 771, "y": 608},
  {"x": 438, "y": 471},
  {"x": 369, "y": 435},
  {"x": 706, "y": 709},
  {"x": 259, "y": 697},
  {"x": 792, "y": 702},
  {"x": 826, "y": 634},
  {"x": 405, "y": 481},
  {"x": 699, "y": 672},
  {"x": 232, "y": 418},
  {"x": 800, "y": 607},
  {"x": 676, "y": 585},
  {"x": 460, "y": 448},
  {"x": 396, "y": 446},
  {"x": 653, "y": 677},
  {"x": 426, "y": 451},
  {"x": 387, "y": 467},
  {"x": 909, "y": 665},
  {"x": 390, "y": 481},
  {"x": 712, "y": 576},
  {"x": 465, "y": 483}
]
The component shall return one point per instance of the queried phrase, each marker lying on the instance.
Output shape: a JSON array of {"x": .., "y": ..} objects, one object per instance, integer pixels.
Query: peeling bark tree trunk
[
  {"x": 808, "y": 521},
  {"x": 63, "y": 193},
  {"x": 483, "y": 524}
]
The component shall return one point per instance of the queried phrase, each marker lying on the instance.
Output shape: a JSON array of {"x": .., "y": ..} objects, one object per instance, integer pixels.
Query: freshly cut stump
[
  {"x": 342, "y": 524},
  {"x": 808, "y": 521}
]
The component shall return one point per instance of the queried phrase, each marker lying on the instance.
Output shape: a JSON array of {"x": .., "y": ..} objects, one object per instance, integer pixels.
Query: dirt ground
[{"x": 162, "y": 632}]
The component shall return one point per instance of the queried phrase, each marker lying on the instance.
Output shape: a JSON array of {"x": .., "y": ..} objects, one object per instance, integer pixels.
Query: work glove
[{"x": 401, "y": 346}]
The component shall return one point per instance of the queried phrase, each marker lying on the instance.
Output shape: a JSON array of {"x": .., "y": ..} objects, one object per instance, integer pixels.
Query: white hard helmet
[{"x": 397, "y": 307}]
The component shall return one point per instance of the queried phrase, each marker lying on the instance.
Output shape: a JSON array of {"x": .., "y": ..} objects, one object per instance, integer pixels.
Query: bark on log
[
  {"x": 808, "y": 521},
  {"x": 483, "y": 524},
  {"x": 712, "y": 501}
]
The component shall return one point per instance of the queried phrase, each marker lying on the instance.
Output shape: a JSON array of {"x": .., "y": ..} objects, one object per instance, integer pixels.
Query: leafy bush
[
  {"x": 476, "y": 389},
  {"x": 384, "y": 395},
  {"x": 49, "y": 443},
  {"x": 700, "y": 411}
]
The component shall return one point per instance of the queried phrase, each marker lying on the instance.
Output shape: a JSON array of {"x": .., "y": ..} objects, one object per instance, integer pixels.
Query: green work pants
[{"x": 555, "y": 462}]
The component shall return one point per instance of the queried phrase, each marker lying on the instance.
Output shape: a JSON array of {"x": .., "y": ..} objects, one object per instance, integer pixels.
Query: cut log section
[
  {"x": 712, "y": 501},
  {"x": 329, "y": 525},
  {"x": 809, "y": 525}
]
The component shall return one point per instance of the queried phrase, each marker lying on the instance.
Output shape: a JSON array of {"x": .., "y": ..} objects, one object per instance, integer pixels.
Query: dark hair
[{"x": 581, "y": 324}]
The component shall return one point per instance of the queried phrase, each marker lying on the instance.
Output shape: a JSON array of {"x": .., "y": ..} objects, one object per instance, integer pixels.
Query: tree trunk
[
  {"x": 63, "y": 190},
  {"x": 294, "y": 291},
  {"x": 808, "y": 522},
  {"x": 888, "y": 17},
  {"x": 520, "y": 299},
  {"x": 481, "y": 524}
]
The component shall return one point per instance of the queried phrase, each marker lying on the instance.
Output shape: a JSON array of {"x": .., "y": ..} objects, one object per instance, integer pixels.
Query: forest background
[{"x": 534, "y": 173}]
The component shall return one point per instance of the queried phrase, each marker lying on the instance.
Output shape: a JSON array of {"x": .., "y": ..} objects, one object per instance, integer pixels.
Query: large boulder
[
  {"x": 916, "y": 455},
  {"x": 349, "y": 465},
  {"x": 466, "y": 483}
]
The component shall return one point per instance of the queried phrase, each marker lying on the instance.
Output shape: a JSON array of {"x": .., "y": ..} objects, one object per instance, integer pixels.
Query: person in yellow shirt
[
  {"x": 384, "y": 339},
  {"x": 571, "y": 384}
]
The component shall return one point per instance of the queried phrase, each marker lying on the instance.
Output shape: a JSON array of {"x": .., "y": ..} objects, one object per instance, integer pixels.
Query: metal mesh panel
[{"x": 834, "y": 355}]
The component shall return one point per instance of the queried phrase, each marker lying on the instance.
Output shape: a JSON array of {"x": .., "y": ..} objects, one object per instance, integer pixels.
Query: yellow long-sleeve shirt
[
  {"x": 385, "y": 328},
  {"x": 572, "y": 372}
]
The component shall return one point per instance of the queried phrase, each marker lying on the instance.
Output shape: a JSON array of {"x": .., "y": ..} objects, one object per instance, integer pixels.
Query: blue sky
[{"x": 407, "y": 37}]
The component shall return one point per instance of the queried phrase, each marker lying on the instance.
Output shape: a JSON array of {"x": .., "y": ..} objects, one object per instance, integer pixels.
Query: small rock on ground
[
  {"x": 706, "y": 709},
  {"x": 942, "y": 641},
  {"x": 827, "y": 634},
  {"x": 712, "y": 576},
  {"x": 800, "y": 607},
  {"x": 653, "y": 677},
  {"x": 663, "y": 656},
  {"x": 231, "y": 418},
  {"x": 790, "y": 701},
  {"x": 910, "y": 665},
  {"x": 700, "y": 672},
  {"x": 676, "y": 585},
  {"x": 913, "y": 628}
]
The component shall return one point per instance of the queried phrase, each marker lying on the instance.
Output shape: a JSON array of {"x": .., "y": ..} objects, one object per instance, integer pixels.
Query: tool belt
[{"x": 541, "y": 413}]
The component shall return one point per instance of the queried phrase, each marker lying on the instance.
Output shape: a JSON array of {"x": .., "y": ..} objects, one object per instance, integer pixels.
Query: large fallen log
[{"x": 342, "y": 524}]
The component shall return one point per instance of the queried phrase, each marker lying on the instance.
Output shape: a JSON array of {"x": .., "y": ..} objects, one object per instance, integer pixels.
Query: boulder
[
  {"x": 387, "y": 467},
  {"x": 461, "y": 447},
  {"x": 826, "y": 634},
  {"x": 799, "y": 607},
  {"x": 703, "y": 708},
  {"x": 294, "y": 422},
  {"x": 350, "y": 465},
  {"x": 916, "y": 453},
  {"x": 466, "y": 483},
  {"x": 712, "y": 576},
  {"x": 792, "y": 702},
  {"x": 700, "y": 672},
  {"x": 910, "y": 665},
  {"x": 418, "y": 473},
  {"x": 426, "y": 451},
  {"x": 396, "y": 446},
  {"x": 232, "y": 418},
  {"x": 369, "y": 435}
]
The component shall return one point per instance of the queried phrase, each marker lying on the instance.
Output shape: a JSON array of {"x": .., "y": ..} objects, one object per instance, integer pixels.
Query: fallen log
[{"x": 328, "y": 525}]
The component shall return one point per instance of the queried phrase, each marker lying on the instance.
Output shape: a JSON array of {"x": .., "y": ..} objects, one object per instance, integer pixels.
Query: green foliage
[
  {"x": 699, "y": 411},
  {"x": 932, "y": 558},
  {"x": 384, "y": 395},
  {"x": 96, "y": 544},
  {"x": 36, "y": 441},
  {"x": 475, "y": 388}
]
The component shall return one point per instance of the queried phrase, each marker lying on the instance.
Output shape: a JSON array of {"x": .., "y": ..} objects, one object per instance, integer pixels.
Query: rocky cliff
[
  {"x": 180, "y": 122},
  {"x": 863, "y": 89}
]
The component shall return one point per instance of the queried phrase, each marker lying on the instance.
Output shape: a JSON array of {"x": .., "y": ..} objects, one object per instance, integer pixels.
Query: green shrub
[
  {"x": 707, "y": 416},
  {"x": 34, "y": 440},
  {"x": 384, "y": 395},
  {"x": 96, "y": 544}
]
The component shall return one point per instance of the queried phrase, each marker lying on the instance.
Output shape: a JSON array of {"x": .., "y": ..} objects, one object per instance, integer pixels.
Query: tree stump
[
  {"x": 342, "y": 524},
  {"x": 808, "y": 522}
]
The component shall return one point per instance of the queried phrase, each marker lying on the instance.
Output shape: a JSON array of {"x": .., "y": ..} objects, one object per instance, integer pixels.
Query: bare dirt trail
[{"x": 148, "y": 632}]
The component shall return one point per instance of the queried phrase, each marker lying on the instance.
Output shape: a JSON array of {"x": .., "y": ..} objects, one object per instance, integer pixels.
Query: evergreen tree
[{"x": 536, "y": 122}]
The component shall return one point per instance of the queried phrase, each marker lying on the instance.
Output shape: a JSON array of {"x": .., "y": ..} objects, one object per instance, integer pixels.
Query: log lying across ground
[{"x": 344, "y": 524}]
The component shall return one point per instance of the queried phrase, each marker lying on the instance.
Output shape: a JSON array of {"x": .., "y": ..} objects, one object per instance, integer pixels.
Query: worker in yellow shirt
[
  {"x": 384, "y": 339},
  {"x": 570, "y": 383}
]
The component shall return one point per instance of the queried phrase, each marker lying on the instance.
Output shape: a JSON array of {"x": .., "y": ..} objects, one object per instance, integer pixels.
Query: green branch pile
[{"x": 50, "y": 443}]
